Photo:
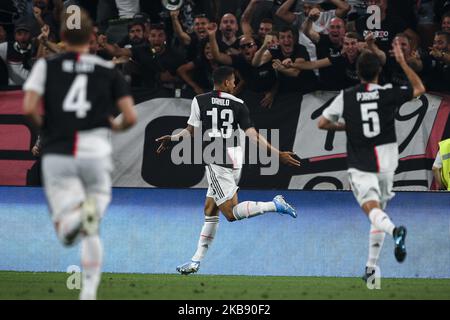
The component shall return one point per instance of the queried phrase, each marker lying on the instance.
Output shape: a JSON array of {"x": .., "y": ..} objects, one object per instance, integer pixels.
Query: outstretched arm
[
  {"x": 286, "y": 157},
  {"x": 167, "y": 139}
]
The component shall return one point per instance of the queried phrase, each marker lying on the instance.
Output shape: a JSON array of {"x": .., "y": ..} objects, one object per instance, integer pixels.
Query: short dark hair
[
  {"x": 134, "y": 23},
  {"x": 77, "y": 36},
  {"x": 221, "y": 74},
  {"x": 368, "y": 66},
  {"x": 266, "y": 20},
  {"x": 445, "y": 34}
]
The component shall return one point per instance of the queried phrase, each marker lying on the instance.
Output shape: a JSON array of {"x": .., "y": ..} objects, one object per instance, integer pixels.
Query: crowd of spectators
[{"x": 275, "y": 46}]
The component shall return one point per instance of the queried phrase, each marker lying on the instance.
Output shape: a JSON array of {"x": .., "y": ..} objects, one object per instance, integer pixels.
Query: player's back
[
  {"x": 221, "y": 115},
  {"x": 79, "y": 93},
  {"x": 369, "y": 114}
]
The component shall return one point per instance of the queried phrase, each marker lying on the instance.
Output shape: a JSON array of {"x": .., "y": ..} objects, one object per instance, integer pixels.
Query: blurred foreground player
[
  {"x": 79, "y": 92},
  {"x": 372, "y": 152},
  {"x": 219, "y": 113}
]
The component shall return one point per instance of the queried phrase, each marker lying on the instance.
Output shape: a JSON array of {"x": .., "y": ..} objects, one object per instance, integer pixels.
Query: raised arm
[
  {"x": 263, "y": 55},
  {"x": 246, "y": 18},
  {"x": 178, "y": 29},
  {"x": 371, "y": 45},
  {"x": 308, "y": 26},
  {"x": 218, "y": 56},
  {"x": 416, "y": 83},
  {"x": 285, "y": 13},
  {"x": 342, "y": 7}
]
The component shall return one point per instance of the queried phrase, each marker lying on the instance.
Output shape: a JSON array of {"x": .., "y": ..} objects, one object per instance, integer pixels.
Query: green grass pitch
[{"x": 30, "y": 285}]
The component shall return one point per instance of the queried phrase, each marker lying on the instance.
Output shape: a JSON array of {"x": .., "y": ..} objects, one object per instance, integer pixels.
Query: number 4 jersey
[
  {"x": 369, "y": 114},
  {"x": 220, "y": 115},
  {"x": 80, "y": 93}
]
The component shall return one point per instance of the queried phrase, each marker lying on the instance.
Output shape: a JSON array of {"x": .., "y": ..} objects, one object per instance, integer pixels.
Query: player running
[
  {"x": 79, "y": 92},
  {"x": 219, "y": 113},
  {"x": 368, "y": 110}
]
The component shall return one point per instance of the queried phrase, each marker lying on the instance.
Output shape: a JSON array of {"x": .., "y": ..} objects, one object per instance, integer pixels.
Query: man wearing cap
[{"x": 17, "y": 54}]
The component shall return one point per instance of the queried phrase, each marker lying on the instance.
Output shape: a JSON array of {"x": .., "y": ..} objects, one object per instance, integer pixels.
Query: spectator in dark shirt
[
  {"x": 290, "y": 79},
  {"x": 135, "y": 37},
  {"x": 198, "y": 73},
  {"x": 265, "y": 25},
  {"x": 191, "y": 41},
  {"x": 437, "y": 64},
  {"x": 261, "y": 79},
  {"x": 327, "y": 45},
  {"x": 227, "y": 38},
  {"x": 393, "y": 73},
  {"x": 390, "y": 26},
  {"x": 47, "y": 12},
  {"x": 158, "y": 63},
  {"x": 344, "y": 63}
]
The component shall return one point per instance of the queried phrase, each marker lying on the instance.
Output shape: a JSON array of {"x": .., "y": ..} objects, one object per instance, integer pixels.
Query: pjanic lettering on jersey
[
  {"x": 72, "y": 66},
  {"x": 220, "y": 102},
  {"x": 367, "y": 96}
]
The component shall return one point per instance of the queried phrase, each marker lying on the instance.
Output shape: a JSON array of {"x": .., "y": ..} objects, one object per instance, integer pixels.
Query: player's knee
[{"x": 229, "y": 215}]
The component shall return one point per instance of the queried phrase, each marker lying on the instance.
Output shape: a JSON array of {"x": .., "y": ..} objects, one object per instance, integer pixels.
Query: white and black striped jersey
[
  {"x": 220, "y": 115},
  {"x": 80, "y": 92},
  {"x": 369, "y": 114}
]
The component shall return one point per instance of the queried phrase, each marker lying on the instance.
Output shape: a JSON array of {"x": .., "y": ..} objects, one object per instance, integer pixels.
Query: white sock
[
  {"x": 68, "y": 224},
  {"x": 206, "y": 237},
  {"x": 250, "y": 209},
  {"x": 91, "y": 260},
  {"x": 381, "y": 221},
  {"x": 376, "y": 239}
]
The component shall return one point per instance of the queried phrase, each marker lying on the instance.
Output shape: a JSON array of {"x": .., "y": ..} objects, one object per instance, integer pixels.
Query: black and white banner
[{"x": 421, "y": 124}]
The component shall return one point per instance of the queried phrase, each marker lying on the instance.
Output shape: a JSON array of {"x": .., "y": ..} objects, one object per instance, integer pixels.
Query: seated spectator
[
  {"x": 157, "y": 62},
  {"x": 192, "y": 41},
  {"x": 198, "y": 73},
  {"x": 390, "y": 26},
  {"x": 135, "y": 37},
  {"x": 17, "y": 54},
  {"x": 343, "y": 64},
  {"x": 227, "y": 38},
  {"x": 445, "y": 24},
  {"x": 321, "y": 19},
  {"x": 437, "y": 64},
  {"x": 393, "y": 73},
  {"x": 290, "y": 79},
  {"x": 327, "y": 45},
  {"x": 259, "y": 79}
]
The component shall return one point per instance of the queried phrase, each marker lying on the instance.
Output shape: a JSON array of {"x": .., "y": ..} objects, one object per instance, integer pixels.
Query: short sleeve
[
  {"x": 335, "y": 110},
  {"x": 36, "y": 79},
  {"x": 120, "y": 87},
  {"x": 244, "y": 118},
  {"x": 194, "y": 119}
]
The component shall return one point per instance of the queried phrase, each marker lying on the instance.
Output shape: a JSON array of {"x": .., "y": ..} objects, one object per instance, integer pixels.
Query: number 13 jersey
[
  {"x": 80, "y": 92},
  {"x": 369, "y": 114},
  {"x": 220, "y": 115}
]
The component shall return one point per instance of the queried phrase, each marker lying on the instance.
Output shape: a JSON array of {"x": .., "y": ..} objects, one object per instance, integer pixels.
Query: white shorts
[
  {"x": 222, "y": 183},
  {"x": 370, "y": 186},
  {"x": 68, "y": 181}
]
